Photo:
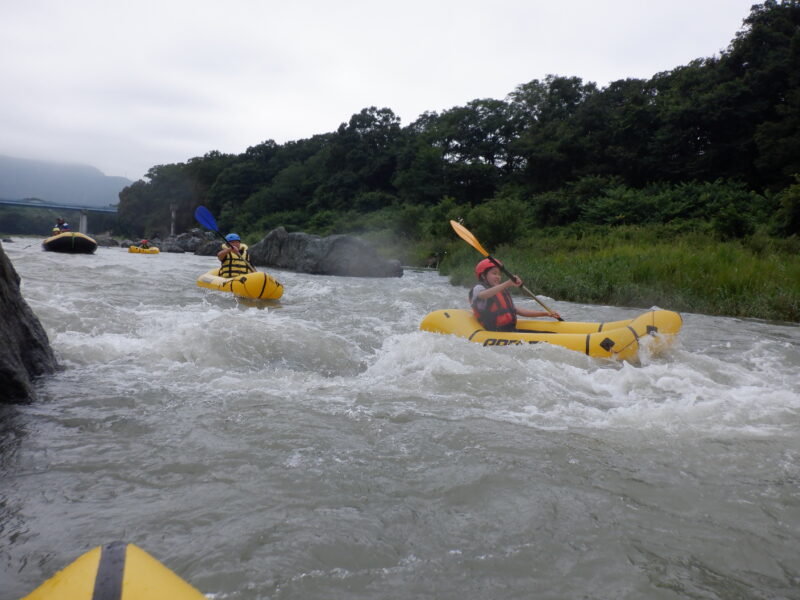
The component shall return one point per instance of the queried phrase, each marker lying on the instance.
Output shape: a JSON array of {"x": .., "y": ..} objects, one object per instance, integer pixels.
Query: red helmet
[{"x": 484, "y": 266}]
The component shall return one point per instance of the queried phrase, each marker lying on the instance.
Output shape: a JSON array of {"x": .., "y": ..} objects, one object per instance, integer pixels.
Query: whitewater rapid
[{"x": 323, "y": 446}]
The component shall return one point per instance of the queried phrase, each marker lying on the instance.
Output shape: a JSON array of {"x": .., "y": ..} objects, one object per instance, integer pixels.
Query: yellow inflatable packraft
[
  {"x": 117, "y": 570},
  {"x": 139, "y": 250},
  {"x": 257, "y": 285},
  {"x": 617, "y": 339}
]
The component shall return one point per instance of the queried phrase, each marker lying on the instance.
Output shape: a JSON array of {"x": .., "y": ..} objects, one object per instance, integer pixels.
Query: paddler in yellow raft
[
  {"x": 493, "y": 319},
  {"x": 492, "y": 304},
  {"x": 234, "y": 257},
  {"x": 236, "y": 274}
]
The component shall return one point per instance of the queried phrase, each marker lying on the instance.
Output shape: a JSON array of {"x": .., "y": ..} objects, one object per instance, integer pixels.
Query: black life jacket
[
  {"x": 232, "y": 265},
  {"x": 499, "y": 313}
]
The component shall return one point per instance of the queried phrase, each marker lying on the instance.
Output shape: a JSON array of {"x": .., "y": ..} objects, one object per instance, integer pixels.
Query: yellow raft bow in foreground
[
  {"x": 257, "y": 285},
  {"x": 116, "y": 571},
  {"x": 616, "y": 339}
]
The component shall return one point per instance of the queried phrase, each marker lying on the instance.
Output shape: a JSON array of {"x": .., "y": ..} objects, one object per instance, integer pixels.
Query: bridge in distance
[{"x": 83, "y": 225}]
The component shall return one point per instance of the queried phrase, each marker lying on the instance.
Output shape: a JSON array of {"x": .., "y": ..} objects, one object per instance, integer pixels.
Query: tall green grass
[{"x": 689, "y": 271}]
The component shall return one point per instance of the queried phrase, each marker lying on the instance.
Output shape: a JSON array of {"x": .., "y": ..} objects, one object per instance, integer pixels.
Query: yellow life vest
[{"x": 232, "y": 265}]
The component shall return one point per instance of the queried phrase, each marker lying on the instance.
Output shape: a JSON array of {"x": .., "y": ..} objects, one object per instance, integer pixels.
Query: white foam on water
[
  {"x": 355, "y": 342},
  {"x": 550, "y": 387}
]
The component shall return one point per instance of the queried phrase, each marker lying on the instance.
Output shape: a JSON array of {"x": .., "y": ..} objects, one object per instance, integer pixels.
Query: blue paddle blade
[{"x": 205, "y": 218}]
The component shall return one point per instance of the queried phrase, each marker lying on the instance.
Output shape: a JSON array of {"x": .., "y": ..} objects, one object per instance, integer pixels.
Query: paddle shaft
[{"x": 525, "y": 289}]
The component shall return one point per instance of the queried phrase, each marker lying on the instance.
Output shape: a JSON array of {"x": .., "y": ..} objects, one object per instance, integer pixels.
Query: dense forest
[{"x": 717, "y": 141}]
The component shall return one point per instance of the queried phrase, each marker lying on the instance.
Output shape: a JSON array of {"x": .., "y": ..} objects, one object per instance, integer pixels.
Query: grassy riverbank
[{"x": 691, "y": 271}]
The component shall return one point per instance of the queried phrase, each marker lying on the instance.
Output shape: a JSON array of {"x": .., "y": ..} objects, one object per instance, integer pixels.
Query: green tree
[
  {"x": 501, "y": 220},
  {"x": 366, "y": 147},
  {"x": 419, "y": 178},
  {"x": 549, "y": 145}
]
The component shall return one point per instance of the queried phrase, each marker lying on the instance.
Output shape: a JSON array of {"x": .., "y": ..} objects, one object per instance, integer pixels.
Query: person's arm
[
  {"x": 223, "y": 253},
  {"x": 522, "y": 312},
  {"x": 526, "y": 312},
  {"x": 493, "y": 291}
]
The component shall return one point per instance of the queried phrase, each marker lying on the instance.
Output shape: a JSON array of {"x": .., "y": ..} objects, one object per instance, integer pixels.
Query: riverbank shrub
[{"x": 786, "y": 220}]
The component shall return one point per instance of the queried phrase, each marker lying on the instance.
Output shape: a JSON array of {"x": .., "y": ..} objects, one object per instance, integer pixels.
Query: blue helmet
[{"x": 232, "y": 237}]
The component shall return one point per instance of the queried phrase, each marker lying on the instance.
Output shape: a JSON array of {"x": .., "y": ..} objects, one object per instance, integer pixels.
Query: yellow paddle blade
[{"x": 467, "y": 236}]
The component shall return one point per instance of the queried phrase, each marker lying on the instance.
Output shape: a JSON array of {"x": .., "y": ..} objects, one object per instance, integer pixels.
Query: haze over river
[{"x": 325, "y": 448}]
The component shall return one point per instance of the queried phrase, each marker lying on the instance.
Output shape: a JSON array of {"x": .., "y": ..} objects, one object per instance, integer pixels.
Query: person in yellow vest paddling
[{"x": 234, "y": 257}]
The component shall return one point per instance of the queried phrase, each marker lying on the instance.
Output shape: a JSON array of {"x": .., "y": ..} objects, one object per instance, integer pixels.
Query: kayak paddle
[{"x": 466, "y": 235}]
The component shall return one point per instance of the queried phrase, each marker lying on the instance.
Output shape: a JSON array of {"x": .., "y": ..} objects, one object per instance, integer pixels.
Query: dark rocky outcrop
[
  {"x": 25, "y": 352},
  {"x": 169, "y": 245},
  {"x": 208, "y": 248},
  {"x": 187, "y": 242},
  {"x": 192, "y": 240},
  {"x": 332, "y": 255},
  {"x": 106, "y": 241}
]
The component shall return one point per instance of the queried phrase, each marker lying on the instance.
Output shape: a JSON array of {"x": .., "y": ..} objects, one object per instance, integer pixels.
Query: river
[{"x": 324, "y": 447}]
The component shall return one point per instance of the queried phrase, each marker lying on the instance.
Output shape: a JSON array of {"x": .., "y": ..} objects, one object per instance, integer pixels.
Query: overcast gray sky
[{"x": 123, "y": 86}]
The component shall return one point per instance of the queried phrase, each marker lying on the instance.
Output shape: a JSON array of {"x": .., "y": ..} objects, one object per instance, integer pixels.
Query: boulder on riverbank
[
  {"x": 25, "y": 352},
  {"x": 208, "y": 248},
  {"x": 106, "y": 241},
  {"x": 191, "y": 241},
  {"x": 170, "y": 244},
  {"x": 332, "y": 255}
]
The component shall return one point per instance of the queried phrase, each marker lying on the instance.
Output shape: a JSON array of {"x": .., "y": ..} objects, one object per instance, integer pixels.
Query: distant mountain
[{"x": 81, "y": 185}]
